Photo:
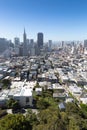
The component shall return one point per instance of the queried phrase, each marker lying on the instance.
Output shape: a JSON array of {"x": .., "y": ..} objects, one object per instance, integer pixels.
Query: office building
[
  {"x": 25, "y": 44},
  {"x": 4, "y": 44},
  {"x": 62, "y": 44},
  {"x": 31, "y": 43},
  {"x": 50, "y": 44},
  {"x": 85, "y": 43},
  {"x": 16, "y": 41},
  {"x": 40, "y": 40},
  {"x": 17, "y": 44}
]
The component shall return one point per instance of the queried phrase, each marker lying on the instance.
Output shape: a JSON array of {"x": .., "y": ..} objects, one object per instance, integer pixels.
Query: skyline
[{"x": 56, "y": 19}]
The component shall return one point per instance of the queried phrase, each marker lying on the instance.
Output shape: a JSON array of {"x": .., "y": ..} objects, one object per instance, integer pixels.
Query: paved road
[{"x": 9, "y": 111}]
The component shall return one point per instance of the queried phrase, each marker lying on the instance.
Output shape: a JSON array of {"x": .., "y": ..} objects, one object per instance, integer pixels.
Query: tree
[
  {"x": 73, "y": 124},
  {"x": 6, "y": 83},
  {"x": 47, "y": 93},
  {"x": 15, "y": 105},
  {"x": 49, "y": 120},
  {"x": 32, "y": 118},
  {"x": 37, "y": 85},
  {"x": 42, "y": 103},
  {"x": 11, "y": 103},
  {"x": 64, "y": 118},
  {"x": 72, "y": 108},
  {"x": 15, "y": 122},
  {"x": 84, "y": 108},
  {"x": 3, "y": 113}
]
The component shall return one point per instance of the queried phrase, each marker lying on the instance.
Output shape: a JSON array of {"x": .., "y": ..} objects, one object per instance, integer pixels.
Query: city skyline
[{"x": 56, "y": 19}]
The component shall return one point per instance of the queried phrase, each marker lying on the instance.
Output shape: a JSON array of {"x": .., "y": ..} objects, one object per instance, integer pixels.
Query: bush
[{"x": 3, "y": 113}]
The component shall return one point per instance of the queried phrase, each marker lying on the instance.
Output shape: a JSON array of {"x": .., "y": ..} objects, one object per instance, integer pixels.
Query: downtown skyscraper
[
  {"x": 25, "y": 51},
  {"x": 40, "y": 40}
]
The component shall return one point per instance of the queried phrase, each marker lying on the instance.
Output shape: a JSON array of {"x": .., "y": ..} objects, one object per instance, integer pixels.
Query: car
[
  {"x": 22, "y": 110},
  {"x": 15, "y": 111}
]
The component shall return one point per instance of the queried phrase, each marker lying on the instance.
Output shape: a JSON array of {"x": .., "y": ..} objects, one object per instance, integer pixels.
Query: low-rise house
[
  {"x": 75, "y": 90},
  {"x": 3, "y": 98},
  {"x": 21, "y": 91},
  {"x": 38, "y": 91},
  {"x": 83, "y": 100},
  {"x": 58, "y": 88},
  {"x": 69, "y": 100},
  {"x": 24, "y": 97},
  {"x": 60, "y": 96},
  {"x": 62, "y": 106}
]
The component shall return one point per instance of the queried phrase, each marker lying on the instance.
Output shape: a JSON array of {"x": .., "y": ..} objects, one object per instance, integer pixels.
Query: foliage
[
  {"x": 36, "y": 86},
  {"x": 84, "y": 107},
  {"x": 6, "y": 83},
  {"x": 31, "y": 117},
  {"x": 71, "y": 108},
  {"x": 60, "y": 81},
  {"x": 47, "y": 93},
  {"x": 11, "y": 103},
  {"x": 84, "y": 110},
  {"x": 2, "y": 113},
  {"x": 15, "y": 122},
  {"x": 45, "y": 100},
  {"x": 48, "y": 117},
  {"x": 42, "y": 103},
  {"x": 49, "y": 120}
]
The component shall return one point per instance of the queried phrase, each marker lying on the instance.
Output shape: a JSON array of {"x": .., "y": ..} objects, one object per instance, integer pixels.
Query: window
[{"x": 27, "y": 99}]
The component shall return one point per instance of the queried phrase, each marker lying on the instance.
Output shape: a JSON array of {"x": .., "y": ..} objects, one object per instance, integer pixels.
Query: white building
[
  {"x": 75, "y": 90},
  {"x": 24, "y": 97},
  {"x": 21, "y": 91},
  {"x": 83, "y": 100}
]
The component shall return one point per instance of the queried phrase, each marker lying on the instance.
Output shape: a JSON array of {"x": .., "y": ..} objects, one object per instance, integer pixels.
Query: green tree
[
  {"x": 49, "y": 120},
  {"x": 42, "y": 103},
  {"x": 3, "y": 113},
  {"x": 15, "y": 105},
  {"x": 32, "y": 118},
  {"x": 47, "y": 93},
  {"x": 11, "y": 103},
  {"x": 84, "y": 108},
  {"x": 36, "y": 86},
  {"x": 6, "y": 83},
  {"x": 73, "y": 124},
  {"x": 15, "y": 122},
  {"x": 72, "y": 108}
]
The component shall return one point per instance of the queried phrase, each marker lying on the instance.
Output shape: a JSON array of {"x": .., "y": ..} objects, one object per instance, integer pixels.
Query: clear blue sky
[{"x": 57, "y": 19}]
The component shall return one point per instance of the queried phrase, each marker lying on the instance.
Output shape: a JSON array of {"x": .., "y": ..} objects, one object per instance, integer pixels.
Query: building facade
[
  {"x": 25, "y": 51},
  {"x": 40, "y": 40}
]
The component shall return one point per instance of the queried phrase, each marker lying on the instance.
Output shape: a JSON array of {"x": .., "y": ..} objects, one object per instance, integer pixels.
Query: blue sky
[{"x": 57, "y": 19}]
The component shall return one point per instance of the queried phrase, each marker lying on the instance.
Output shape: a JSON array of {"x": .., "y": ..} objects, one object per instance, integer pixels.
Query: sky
[{"x": 57, "y": 19}]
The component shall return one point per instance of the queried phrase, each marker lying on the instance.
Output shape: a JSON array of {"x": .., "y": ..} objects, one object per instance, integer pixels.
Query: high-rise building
[
  {"x": 25, "y": 44},
  {"x": 50, "y": 43},
  {"x": 27, "y": 41},
  {"x": 21, "y": 50},
  {"x": 17, "y": 44},
  {"x": 85, "y": 43},
  {"x": 62, "y": 43},
  {"x": 31, "y": 43},
  {"x": 40, "y": 40},
  {"x": 16, "y": 41},
  {"x": 32, "y": 47},
  {"x": 4, "y": 44}
]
